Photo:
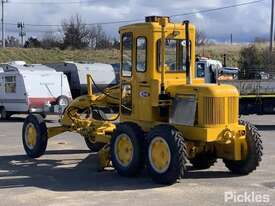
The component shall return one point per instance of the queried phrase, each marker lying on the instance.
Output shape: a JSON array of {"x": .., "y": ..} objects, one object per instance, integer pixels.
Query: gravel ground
[{"x": 67, "y": 175}]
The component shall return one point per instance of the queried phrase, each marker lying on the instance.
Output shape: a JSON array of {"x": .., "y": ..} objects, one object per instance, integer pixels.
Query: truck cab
[{"x": 213, "y": 70}]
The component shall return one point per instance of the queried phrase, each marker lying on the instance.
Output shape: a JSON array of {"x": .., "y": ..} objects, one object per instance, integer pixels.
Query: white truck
[{"x": 32, "y": 89}]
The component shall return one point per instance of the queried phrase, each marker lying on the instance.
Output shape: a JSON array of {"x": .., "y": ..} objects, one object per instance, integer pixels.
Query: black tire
[
  {"x": 40, "y": 146},
  {"x": 136, "y": 136},
  {"x": 94, "y": 147},
  {"x": 254, "y": 153},
  {"x": 178, "y": 155},
  {"x": 203, "y": 161},
  {"x": 63, "y": 99},
  {"x": 4, "y": 115}
]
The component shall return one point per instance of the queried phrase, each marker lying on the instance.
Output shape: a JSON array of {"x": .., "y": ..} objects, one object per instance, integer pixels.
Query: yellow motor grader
[{"x": 166, "y": 115}]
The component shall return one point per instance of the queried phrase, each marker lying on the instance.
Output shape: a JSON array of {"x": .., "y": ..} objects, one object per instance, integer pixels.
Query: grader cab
[{"x": 167, "y": 115}]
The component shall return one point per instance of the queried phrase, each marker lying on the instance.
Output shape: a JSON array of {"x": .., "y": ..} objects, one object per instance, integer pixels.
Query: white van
[{"x": 32, "y": 89}]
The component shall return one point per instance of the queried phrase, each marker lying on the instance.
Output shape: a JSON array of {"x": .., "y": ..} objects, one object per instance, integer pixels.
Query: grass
[
  {"x": 217, "y": 52},
  {"x": 35, "y": 56}
]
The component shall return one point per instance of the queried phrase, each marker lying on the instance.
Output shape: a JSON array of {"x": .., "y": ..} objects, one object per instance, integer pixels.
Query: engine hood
[{"x": 210, "y": 90}]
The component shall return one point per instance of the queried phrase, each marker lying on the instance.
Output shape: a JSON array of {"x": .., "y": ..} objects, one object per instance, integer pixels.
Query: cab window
[
  {"x": 175, "y": 55},
  {"x": 126, "y": 60},
  {"x": 141, "y": 54}
]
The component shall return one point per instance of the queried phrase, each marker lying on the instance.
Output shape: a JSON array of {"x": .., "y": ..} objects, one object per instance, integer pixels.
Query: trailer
[
  {"x": 77, "y": 72},
  {"x": 32, "y": 88},
  {"x": 257, "y": 96}
]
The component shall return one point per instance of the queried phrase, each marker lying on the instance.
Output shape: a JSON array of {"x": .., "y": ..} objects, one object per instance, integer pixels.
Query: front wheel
[
  {"x": 166, "y": 154},
  {"x": 254, "y": 152},
  {"x": 34, "y": 136}
]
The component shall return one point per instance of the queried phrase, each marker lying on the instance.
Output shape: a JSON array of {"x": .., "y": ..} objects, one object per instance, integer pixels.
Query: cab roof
[{"x": 153, "y": 23}]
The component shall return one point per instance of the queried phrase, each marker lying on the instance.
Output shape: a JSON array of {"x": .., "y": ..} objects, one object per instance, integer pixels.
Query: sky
[{"x": 245, "y": 22}]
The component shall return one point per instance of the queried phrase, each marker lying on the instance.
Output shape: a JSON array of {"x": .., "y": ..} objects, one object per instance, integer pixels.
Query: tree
[
  {"x": 201, "y": 38},
  {"x": 50, "y": 40},
  {"x": 12, "y": 41},
  {"x": 116, "y": 43},
  {"x": 75, "y": 33},
  {"x": 98, "y": 39},
  {"x": 32, "y": 42},
  {"x": 252, "y": 59}
]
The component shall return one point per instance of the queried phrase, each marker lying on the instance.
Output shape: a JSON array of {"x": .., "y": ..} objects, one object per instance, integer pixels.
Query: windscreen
[{"x": 175, "y": 55}]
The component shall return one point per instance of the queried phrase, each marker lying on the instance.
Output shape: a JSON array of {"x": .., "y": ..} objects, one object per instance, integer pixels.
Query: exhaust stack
[{"x": 188, "y": 69}]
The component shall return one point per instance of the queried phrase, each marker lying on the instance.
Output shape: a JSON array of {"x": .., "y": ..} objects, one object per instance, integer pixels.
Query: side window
[
  {"x": 141, "y": 54},
  {"x": 200, "y": 70},
  {"x": 126, "y": 99},
  {"x": 10, "y": 84},
  {"x": 126, "y": 61}
]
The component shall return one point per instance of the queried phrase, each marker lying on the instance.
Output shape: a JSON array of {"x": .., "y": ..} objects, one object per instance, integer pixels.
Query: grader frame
[{"x": 167, "y": 115}]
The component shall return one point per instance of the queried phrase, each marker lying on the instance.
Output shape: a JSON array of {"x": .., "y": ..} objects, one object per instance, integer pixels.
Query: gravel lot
[{"x": 67, "y": 175}]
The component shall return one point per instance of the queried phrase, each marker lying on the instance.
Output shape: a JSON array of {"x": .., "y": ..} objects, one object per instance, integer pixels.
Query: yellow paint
[
  {"x": 31, "y": 135},
  {"x": 160, "y": 155},
  {"x": 124, "y": 150}
]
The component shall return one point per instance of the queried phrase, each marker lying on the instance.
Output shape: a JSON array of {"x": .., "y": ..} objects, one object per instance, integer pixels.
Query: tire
[
  {"x": 62, "y": 100},
  {"x": 176, "y": 164},
  {"x": 94, "y": 147},
  {"x": 254, "y": 152},
  {"x": 134, "y": 136},
  {"x": 203, "y": 161},
  {"x": 4, "y": 114},
  {"x": 35, "y": 123}
]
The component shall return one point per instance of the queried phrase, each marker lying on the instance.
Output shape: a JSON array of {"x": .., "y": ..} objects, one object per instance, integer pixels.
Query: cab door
[
  {"x": 126, "y": 107},
  {"x": 142, "y": 81}
]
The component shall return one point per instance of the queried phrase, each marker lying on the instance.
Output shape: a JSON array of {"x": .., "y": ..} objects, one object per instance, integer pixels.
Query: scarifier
[{"x": 166, "y": 116}]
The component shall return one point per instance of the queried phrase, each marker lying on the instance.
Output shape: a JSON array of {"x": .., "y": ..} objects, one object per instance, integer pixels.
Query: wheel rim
[
  {"x": 124, "y": 150},
  {"x": 30, "y": 136},
  {"x": 159, "y": 155}
]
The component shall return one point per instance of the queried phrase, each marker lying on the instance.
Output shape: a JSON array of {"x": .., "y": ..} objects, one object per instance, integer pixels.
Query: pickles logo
[{"x": 246, "y": 197}]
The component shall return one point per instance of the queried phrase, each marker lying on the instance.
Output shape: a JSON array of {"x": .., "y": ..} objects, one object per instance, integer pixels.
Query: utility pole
[
  {"x": 231, "y": 38},
  {"x": 3, "y": 23},
  {"x": 22, "y": 33},
  {"x": 272, "y": 27}
]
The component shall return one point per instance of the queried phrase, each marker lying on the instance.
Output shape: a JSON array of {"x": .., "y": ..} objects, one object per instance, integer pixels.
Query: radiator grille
[
  {"x": 220, "y": 110},
  {"x": 213, "y": 109},
  {"x": 233, "y": 110}
]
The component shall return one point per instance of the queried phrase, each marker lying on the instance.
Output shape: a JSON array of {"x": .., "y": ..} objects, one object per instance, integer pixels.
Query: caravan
[
  {"x": 104, "y": 75},
  {"x": 32, "y": 89}
]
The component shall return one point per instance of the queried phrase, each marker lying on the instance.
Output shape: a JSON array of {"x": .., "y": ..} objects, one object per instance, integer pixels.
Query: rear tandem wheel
[{"x": 166, "y": 154}]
